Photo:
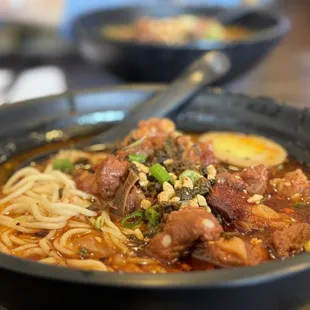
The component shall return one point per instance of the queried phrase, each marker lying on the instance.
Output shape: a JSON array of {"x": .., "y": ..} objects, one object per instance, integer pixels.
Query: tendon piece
[
  {"x": 121, "y": 196},
  {"x": 253, "y": 179},
  {"x": 291, "y": 240},
  {"x": 232, "y": 252},
  {"x": 293, "y": 184},
  {"x": 181, "y": 230}
]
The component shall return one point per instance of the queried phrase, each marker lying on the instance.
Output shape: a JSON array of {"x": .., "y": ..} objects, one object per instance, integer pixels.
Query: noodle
[
  {"x": 47, "y": 249},
  {"x": 6, "y": 238},
  {"x": 4, "y": 249},
  {"x": 64, "y": 238},
  {"x": 87, "y": 263},
  {"x": 41, "y": 212},
  {"x": 49, "y": 260}
]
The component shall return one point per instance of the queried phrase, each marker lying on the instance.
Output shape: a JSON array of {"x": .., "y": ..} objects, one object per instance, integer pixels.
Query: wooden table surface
[{"x": 285, "y": 74}]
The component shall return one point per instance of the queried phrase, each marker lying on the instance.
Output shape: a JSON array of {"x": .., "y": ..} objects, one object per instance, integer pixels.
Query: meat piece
[
  {"x": 252, "y": 179},
  {"x": 233, "y": 206},
  {"x": 110, "y": 175},
  {"x": 228, "y": 202},
  {"x": 152, "y": 128},
  {"x": 87, "y": 182},
  {"x": 231, "y": 252},
  {"x": 181, "y": 230},
  {"x": 134, "y": 200},
  {"x": 293, "y": 185},
  {"x": 121, "y": 196},
  {"x": 291, "y": 239}
]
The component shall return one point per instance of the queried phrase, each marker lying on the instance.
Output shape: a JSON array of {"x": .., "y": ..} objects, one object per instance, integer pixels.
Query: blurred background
[{"x": 39, "y": 54}]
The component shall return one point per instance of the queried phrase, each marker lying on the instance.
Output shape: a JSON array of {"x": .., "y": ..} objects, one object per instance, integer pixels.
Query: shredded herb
[
  {"x": 185, "y": 193},
  {"x": 140, "y": 158},
  {"x": 83, "y": 252},
  {"x": 133, "y": 220},
  {"x": 64, "y": 165},
  {"x": 192, "y": 174},
  {"x": 160, "y": 174},
  {"x": 202, "y": 186},
  {"x": 153, "y": 218},
  {"x": 299, "y": 204}
]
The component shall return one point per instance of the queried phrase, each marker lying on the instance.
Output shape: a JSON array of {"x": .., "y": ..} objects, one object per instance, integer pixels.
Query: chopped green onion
[
  {"x": 64, "y": 165},
  {"x": 192, "y": 174},
  {"x": 299, "y": 205},
  {"x": 132, "y": 220},
  {"x": 99, "y": 222},
  {"x": 160, "y": 174},
  {"x": 140, "y": 158},
  {"x": 153, "y": 217}
]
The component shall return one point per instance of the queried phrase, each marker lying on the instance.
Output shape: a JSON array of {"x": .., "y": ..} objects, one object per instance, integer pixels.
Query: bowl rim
[
  {"x": 281, "y": 27},
  {"x": 222, "y": 278}
]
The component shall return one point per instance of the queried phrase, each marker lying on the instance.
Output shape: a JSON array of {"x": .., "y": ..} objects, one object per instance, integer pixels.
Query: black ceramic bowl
[
  {"x": 161, "y": 63},
  {"x": 274, "y": 285}
]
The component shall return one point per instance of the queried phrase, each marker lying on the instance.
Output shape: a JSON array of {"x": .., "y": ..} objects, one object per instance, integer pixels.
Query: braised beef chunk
[
  {"x": 232, "y": 252},
  {"x": 230, "y": 203},
  {"x": 87, "y": 182},
  {"x": 253, "y": 179},
  {"x": 236, "y": 209},
  {"x": 291, "y": 239},
  {"x": 181, "y": 230},
  {"x": 293, "y": 185},
  {"x": 109, "y": 175}
]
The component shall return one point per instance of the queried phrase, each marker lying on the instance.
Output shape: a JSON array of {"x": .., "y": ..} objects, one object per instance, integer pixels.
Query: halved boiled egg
[{"x": 245, "y": 150}]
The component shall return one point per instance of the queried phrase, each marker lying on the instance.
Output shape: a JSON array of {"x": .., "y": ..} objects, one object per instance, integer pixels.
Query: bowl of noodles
[
  {"x": 155, "y": 43},
  {"x": 209, "y": 201}
]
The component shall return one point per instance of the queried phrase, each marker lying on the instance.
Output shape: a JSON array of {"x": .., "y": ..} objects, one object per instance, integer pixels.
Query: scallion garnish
[
  {"x": 64, "y": 165},
  {"x": 140, "y": 158},
  {"x": 132, "y": 220},
  {"x": 192, "y": 174},
  {"x": 99, "y": 222},
  {"x": 160, "y": 174}
]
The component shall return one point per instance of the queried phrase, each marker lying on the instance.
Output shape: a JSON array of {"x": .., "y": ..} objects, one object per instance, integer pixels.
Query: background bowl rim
[{"x": 281, "y": 27}]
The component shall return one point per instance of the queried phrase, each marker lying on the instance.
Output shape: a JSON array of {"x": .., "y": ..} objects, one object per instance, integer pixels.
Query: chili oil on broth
[
  {"x": 78, "y": 243},
  {"x": 66, "y": 233}
]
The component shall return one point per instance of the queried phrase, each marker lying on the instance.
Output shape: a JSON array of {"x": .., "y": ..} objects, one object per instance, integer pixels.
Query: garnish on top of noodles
[{"x": 161, "y": 201}]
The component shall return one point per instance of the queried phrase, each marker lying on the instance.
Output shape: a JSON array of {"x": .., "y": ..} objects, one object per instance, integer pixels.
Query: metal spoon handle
[{"x": 207, "y": 69}]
